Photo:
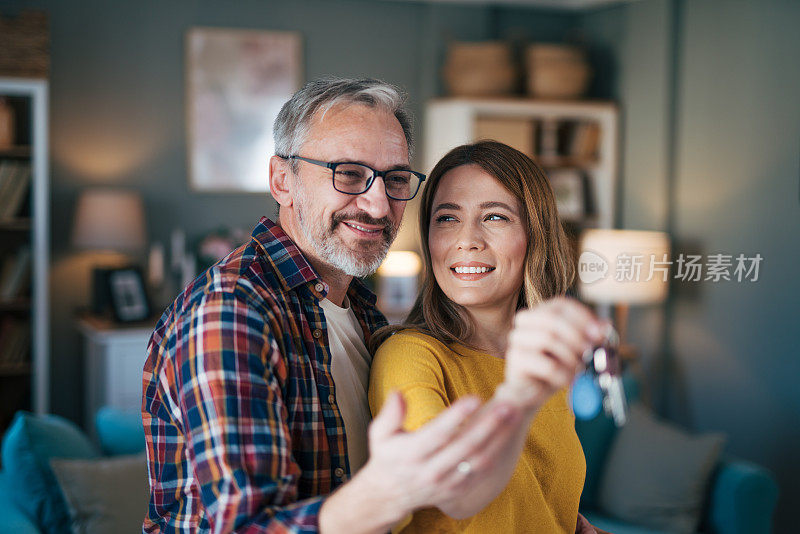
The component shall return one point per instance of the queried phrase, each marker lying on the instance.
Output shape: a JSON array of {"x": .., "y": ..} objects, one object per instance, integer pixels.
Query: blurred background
[{"x": 679, "y": 117}]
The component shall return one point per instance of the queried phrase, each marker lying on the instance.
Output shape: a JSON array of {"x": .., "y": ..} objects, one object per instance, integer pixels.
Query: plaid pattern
[{"x": 243, "y": 432}]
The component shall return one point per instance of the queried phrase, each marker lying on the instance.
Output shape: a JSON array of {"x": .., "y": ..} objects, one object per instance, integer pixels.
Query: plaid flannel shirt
[{"x": 239, "y": 406}]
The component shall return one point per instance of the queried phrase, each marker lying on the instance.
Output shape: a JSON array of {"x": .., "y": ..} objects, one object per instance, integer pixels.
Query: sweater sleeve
[{"x": 408, "y": 363}]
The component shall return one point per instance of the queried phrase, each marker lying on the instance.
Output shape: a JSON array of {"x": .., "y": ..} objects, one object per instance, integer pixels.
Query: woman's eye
[
  {"x": 445, "y": 218},
  {"x": 496, "y": 217}
]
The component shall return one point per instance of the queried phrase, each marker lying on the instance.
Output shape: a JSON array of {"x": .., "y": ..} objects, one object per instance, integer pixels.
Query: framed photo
[
  {"x": 128, "y": 295},
  {"x": 237, "y": 81},
  {"x": 568, "y": 187}
]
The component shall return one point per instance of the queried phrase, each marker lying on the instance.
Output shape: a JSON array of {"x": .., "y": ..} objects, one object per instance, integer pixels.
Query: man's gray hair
[{"x": 294, "y": 120}]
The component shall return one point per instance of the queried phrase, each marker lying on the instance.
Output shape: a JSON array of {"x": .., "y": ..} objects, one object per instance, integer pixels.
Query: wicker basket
[
  {"x": 25, "y": 45},
  {"x": 557, "y": 72},
  {"x": 479, "y": 69}
]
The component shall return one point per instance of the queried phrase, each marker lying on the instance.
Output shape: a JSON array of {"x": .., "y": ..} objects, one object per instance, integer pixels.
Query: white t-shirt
[{"x": 350, "y": 363}]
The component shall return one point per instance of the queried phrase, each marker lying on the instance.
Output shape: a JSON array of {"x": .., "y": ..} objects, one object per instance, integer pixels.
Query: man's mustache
[{"x": 389, "y": 229}]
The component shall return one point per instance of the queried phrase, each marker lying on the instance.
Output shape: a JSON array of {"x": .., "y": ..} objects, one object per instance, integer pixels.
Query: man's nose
[{"x": 374, "y": 201}]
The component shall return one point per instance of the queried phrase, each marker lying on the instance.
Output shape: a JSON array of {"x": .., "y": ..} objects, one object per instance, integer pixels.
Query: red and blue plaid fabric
[{"x": 243, "y": 432}]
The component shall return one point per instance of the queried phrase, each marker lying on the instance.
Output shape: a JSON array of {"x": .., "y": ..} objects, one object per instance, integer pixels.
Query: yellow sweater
[{"x": 544, "y": 490}]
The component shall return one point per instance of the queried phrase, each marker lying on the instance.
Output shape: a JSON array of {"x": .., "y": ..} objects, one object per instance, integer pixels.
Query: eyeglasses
[{"x": 356, "y": 178}]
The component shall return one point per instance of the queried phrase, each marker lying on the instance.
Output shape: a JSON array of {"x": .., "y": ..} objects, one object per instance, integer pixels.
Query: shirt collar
[
  {"x": 292, "y": 268},
  {"x": 289, "y": 263}
]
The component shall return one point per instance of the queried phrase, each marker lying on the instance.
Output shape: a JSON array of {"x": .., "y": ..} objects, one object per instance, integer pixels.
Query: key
[{"x": 601, "y": 384}]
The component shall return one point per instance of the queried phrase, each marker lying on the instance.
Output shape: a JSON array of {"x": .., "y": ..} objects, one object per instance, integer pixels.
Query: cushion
[
  {"x": 119, "y": 431},
  {"x": 12, "y": 519},
  {"x": 657, "y": 475},
  {"x": 28, "y": 445},
  {"x": 105, "y": 495},
  {"x": 596, "y": 436}
]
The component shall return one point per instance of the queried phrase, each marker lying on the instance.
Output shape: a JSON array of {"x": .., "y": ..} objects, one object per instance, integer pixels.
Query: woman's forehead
[{"x": 471, "y": 185}]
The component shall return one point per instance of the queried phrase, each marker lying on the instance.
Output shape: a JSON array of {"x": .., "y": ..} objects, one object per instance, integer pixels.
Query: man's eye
[
  {"x": 349, "y": 174},
  {"x": 397, "y": 179}
]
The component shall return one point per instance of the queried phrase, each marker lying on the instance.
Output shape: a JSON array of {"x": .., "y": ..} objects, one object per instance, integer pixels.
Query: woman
[{"x": 492, "y": 321}]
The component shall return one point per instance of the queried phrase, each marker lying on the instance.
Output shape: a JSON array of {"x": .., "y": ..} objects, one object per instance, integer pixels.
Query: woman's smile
[{"x": 471, "y": 271}]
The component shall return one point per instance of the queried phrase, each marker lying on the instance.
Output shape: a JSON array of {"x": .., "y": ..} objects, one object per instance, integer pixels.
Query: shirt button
[
  {"x": 317, "y": 333},
  {"x": 339, "y": 472},
  {"x": 331, "y": 399},
  {"x": 319, "y": 287}
]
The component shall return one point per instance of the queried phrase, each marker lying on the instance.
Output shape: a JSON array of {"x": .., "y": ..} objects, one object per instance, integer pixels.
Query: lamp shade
[
  {"x": 108, "y": 219},
  {"x": 623, "y": 267},
  {"x": 400, "y": 263}
]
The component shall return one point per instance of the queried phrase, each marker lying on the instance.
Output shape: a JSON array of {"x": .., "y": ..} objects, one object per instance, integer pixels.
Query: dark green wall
[
  {"x": 729, "y": 185},
  {"x": 117, "y": 101},
  {"x": 117, "y": 110}
]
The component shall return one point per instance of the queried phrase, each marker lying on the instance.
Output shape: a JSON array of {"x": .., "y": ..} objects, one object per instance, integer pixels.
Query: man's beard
[{"x": 330, "y": 248}]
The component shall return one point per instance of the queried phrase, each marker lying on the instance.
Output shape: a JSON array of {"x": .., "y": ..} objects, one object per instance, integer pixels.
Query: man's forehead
[{"x": 357, "y": 131}]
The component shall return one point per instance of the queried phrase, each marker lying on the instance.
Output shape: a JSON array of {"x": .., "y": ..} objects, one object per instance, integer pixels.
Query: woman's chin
[{"x": 476, "y": 299}]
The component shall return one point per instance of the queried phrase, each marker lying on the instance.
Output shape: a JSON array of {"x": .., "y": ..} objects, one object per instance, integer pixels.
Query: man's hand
[
  {"x": 545, "y": 349},
  {"x": 410, "y": 470}
]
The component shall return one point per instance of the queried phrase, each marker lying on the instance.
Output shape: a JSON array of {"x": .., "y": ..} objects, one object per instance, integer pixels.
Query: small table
[{"x": 114, "y": 358}]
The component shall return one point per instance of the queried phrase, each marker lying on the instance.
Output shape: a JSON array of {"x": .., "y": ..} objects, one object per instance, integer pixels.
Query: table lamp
[
  {"x": 397, "y": 283},
  {"x": 623, "y": 268},
  {"x": 108, "y": 220}
]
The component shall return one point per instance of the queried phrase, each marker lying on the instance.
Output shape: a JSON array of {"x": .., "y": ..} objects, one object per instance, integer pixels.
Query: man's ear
[{"x": 280, "y": 181}]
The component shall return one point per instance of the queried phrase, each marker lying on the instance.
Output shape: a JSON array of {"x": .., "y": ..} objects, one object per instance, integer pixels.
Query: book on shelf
[
  {"x": 15, "y": 180},
  {"x": 15, "y": 342},
  {"x": 15, "y": 274},
  {"x": 585, "y": 141}
]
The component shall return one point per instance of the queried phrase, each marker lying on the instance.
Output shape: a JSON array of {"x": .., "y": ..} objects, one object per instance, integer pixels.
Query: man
[{"x": 254, "y": 403}]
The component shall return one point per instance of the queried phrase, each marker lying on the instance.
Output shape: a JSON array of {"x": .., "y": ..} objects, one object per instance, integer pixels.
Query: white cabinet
[
  {"x": 114, "y": 358},
  {"x": 564, "y": 137}
]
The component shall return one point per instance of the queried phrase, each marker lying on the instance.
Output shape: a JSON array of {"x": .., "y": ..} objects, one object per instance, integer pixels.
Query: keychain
[{"x": 600, "y": 385}]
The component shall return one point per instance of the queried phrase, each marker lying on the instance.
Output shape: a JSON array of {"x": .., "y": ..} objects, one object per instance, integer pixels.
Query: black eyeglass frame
[{"x": 375, "y": 173}]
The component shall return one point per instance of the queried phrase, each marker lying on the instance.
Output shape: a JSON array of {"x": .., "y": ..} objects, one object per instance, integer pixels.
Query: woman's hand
[
  {"x": 411, "y": 470},
  {"x": 545, "y": 348}
]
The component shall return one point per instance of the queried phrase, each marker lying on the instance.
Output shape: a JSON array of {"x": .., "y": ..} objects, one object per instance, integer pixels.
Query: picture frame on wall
[
  {"x": 129, "y": 300},
  {"x": 236, "y": 82}
]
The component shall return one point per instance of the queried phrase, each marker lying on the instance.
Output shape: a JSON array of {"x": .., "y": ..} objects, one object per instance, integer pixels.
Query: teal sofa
[
  {"x": 27, "y": 447},
  {"x": 741, "y": 496}
]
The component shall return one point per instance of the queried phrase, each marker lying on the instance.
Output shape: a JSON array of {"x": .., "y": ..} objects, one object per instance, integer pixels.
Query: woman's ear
[{"x": 280, "y": 183}]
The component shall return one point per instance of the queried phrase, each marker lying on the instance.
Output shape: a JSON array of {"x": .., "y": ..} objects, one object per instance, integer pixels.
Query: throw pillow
[
  {"x": 105, "y": 495},
  {"x": 28, "y": 446},
  {"x": 657, "y": 474},
  {"x": 119, "y": 431}
]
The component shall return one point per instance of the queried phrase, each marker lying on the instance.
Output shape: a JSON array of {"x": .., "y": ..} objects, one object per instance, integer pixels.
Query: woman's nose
[{"x": 470, "y": 238}]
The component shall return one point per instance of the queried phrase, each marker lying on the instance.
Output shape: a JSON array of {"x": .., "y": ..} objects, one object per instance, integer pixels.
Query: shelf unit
[
  {"x": 545, "y": 130},
  {"x": 24, "y": 384}
]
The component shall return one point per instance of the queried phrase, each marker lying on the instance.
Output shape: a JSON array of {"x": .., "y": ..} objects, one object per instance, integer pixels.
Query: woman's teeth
[{"x": 472, "y": 270}]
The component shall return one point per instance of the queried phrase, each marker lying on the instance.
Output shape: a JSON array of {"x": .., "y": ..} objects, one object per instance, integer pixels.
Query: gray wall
[
  {"x": 117, "y": 118},
  {"x": 734, "y": 358},
  {"x": 117, "y": 111}
]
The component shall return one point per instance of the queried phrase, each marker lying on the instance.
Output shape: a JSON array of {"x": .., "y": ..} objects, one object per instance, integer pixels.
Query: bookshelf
[
  {"x": 576, "y": 142},
  {"x": 24, "y": 251}
]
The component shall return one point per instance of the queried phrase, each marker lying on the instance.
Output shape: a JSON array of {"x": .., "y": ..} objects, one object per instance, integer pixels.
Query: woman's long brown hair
[{"x": 548, "y": 268}]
